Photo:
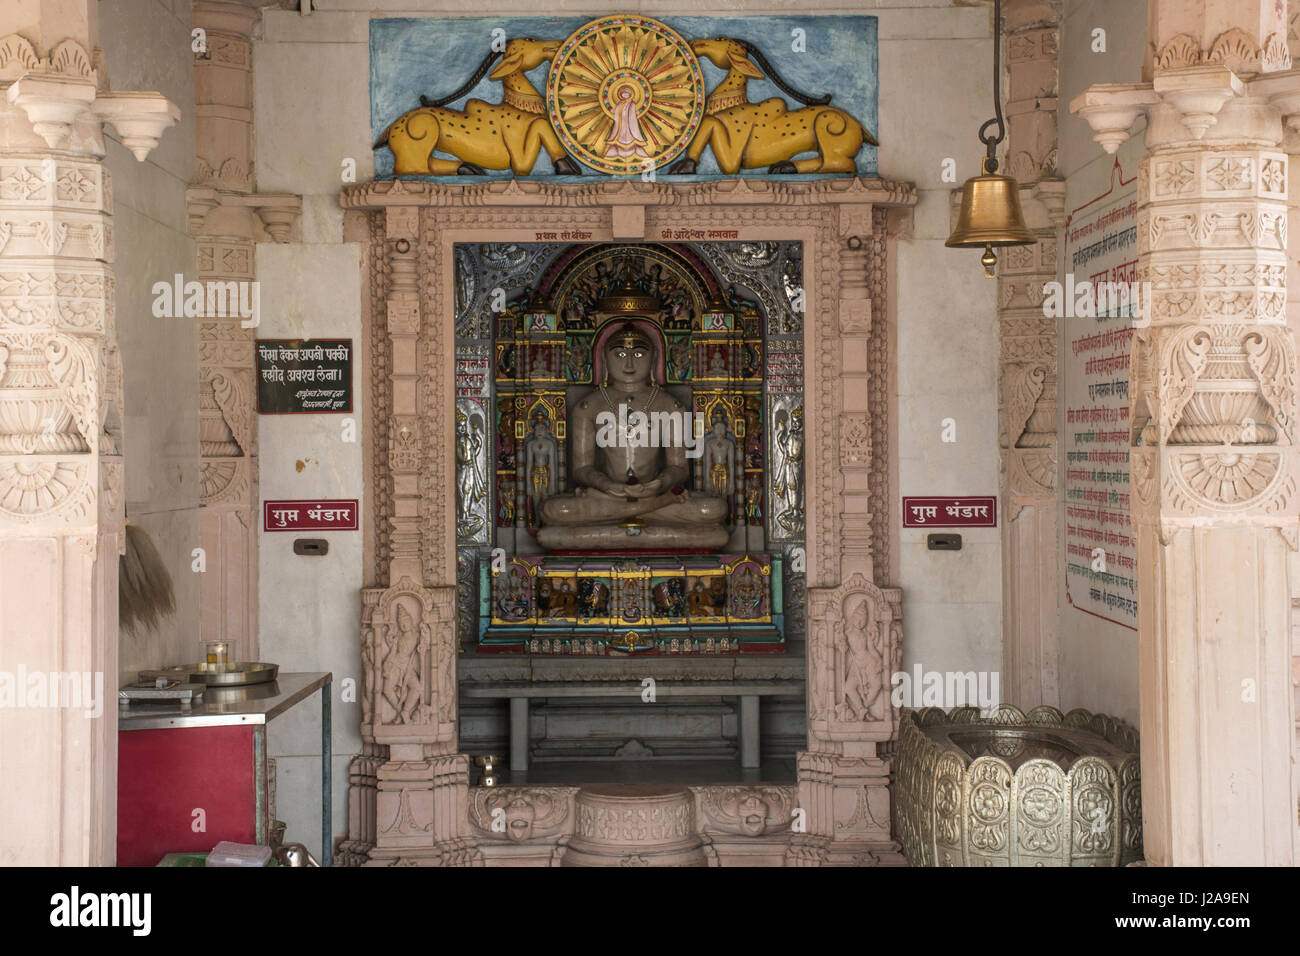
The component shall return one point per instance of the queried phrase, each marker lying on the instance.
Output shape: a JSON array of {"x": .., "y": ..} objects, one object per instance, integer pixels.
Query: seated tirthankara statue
[{"x": 630, "y": 494}]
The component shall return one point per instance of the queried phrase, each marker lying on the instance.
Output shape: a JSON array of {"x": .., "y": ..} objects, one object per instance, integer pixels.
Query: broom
[{"x": 144, "y": 588}]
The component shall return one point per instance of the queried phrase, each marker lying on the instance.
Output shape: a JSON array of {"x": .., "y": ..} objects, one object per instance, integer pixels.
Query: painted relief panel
[{"x": 624, "y": 95}]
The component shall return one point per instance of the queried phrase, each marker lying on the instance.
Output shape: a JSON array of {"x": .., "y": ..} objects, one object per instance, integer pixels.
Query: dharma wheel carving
[{"x": 625, "y": 94}]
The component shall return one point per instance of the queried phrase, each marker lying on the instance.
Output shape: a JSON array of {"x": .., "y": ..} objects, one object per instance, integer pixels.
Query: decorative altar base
[
  {"x": 631, "y": 825},
  {"x": 601, "y": 604}
]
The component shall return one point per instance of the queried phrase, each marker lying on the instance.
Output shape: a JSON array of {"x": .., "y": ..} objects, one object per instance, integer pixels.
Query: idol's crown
[{"x": 629, "y": 336}]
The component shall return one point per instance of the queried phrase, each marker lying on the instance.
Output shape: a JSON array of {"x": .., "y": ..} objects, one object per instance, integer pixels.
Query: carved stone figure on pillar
[
  {"x": 864, "y": 662},
  {"x": 629, "y": 492},
  {"x": 367, "y": 674},
  {"x": 788, "y": 482},
  {"x": 403, "y": 678},
  {"x": 470, "y": 480}
]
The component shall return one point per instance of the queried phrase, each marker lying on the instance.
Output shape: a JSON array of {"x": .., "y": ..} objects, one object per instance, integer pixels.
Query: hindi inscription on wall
[
  {"x": 301, "y": 377},
  {"x": 1099, "y": 297}
]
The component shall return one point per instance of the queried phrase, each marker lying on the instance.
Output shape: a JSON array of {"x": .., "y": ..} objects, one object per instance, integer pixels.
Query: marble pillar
[
  {"x": 843, "y": 776},
  {"x": 1027, "y": 366},
  {"x": 227, "y": 218},
  {"x": 409, "y": 736},
  {"x": 1291, "y": 144},
  {"x": 61, "y": 467},
  {"x": 1213, "y": 405}
]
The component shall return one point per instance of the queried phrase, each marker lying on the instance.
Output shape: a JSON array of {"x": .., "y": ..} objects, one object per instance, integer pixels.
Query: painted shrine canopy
[{"x": 568, "y": 98}]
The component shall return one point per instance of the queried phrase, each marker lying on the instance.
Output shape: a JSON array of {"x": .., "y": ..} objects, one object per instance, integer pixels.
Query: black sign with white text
[{"x": 297, "y": 376}]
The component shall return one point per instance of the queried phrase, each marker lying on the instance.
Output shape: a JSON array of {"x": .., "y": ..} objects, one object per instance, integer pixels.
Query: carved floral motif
[
  {"x": 18, "y": 56},
  {"x": 1234, "y": 48}
]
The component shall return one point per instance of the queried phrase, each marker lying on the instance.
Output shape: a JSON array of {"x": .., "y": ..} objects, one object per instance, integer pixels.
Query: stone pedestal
[{"x": 634, "y": 825}]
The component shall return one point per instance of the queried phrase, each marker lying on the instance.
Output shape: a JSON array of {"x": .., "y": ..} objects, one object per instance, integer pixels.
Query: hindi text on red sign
[
  {"x": 950, "y": 512},
  {"x": 311, "y": 514}
]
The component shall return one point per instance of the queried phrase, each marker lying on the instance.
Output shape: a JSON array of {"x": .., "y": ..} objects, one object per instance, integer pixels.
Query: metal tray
[
  {"x": 233, "y": 674},
  {"x": 176, "y": 691}
]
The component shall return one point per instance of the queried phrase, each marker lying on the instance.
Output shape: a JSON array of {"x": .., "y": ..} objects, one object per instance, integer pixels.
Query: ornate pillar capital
[
  {"x": 1283, "y": 92},
  {"x": 1111, "y": 109},
  {"x": 1195, "y": 67},
  {"x": 66, "y": 100},
  {"x": 53, "y": 102},
  {"x": 250, "y": 217},
  {"x": 1248, "y": 38}
]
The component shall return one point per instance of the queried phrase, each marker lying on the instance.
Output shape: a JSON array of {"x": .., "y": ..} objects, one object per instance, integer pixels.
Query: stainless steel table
[{"x": 255, "y": 705}]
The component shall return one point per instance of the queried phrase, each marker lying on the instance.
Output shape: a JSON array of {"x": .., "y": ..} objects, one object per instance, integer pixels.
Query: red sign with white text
[
  {"x": 969, "y": 512},
  {"x": 310, "y": 514}
]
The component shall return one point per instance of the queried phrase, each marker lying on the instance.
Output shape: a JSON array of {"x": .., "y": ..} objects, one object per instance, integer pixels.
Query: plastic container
[{"x": 226, "y": 853}]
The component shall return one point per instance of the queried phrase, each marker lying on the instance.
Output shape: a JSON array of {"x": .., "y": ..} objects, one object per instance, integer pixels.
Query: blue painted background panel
[{"x": 433, "y": 57}]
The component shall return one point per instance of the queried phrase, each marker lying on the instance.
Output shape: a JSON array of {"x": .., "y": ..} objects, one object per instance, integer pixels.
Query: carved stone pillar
[
  {"x": 227, "y": 218},
  {"x": 409, "y": 630},
  {"x": 61, "y": 470},
  {"x": 1291, "y": 144},
  {"x": 854, "y": 628},
  {"x": 1027, "y": 366},
  {"x": 1213, "y": 404}
]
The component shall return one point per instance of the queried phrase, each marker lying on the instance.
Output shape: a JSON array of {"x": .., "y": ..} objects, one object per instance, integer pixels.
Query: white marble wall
[
  {"x": 1099, "y": 660},
  {"x": 147, "y": 46},
  {"x": 310, "y": 607},
  {"x": 947, "y": 346}
]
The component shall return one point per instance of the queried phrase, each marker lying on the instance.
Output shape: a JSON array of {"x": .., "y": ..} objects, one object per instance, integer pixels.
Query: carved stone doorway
[{"x": 410, "y": 799}]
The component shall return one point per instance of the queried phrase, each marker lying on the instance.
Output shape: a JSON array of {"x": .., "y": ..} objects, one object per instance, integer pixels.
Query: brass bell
[{"x": 990, "y": 216}]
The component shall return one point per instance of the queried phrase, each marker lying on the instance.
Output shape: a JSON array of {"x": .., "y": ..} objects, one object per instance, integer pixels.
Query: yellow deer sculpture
[
  {"x": 505, "y": 135},
  {"x": 747, "y": 135}
]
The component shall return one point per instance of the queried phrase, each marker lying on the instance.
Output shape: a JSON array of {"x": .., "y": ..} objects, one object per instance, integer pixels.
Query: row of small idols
[{"x": 707, "y": 645}]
